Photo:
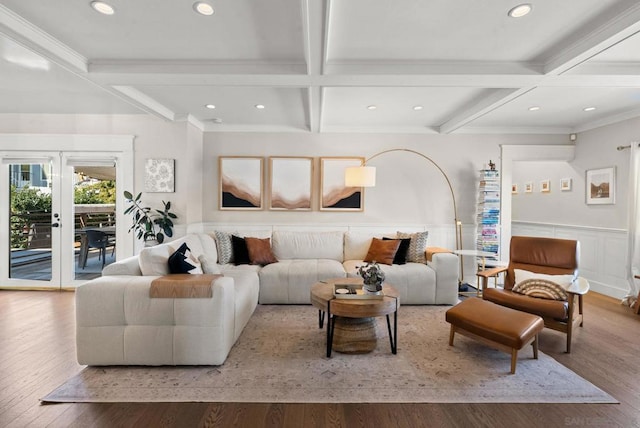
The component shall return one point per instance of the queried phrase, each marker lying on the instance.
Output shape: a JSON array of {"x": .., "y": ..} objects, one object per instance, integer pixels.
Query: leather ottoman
[{"x": 500, "y": 327}]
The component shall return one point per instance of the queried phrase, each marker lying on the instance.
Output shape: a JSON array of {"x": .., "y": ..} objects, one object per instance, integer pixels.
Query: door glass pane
[
  {"x": 94, "y": 219},
  {"x": 30, "y": 221}
]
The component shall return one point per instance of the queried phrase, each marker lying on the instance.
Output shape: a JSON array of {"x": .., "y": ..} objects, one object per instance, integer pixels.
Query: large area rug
[{"x": 280, "y": 357}]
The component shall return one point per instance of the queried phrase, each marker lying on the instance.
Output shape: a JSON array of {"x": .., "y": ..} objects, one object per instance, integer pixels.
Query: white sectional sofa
[{"x": 119, "y": 324}]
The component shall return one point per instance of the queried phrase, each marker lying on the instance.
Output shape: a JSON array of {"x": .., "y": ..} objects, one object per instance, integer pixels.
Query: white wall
[{"x": 601, "y": 229}]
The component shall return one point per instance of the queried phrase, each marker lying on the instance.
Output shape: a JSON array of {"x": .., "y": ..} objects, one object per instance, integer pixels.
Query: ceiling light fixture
[
  {"x": 520, "y": 10},
  {"x": 371, "y": 107},
  {"x": 589, "y": 108},
  {"x": 416, "y": 108},
  {"x": 102, "y": 7},
  {"x": 259, "y": 106},
  {"x": 203, "y": 8},
  {"x": 534, "y": 108},
  {"x": 210, "y": 106}
]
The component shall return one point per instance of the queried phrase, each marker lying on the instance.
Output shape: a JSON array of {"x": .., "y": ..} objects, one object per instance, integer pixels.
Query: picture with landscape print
[
  {"x": 600, "y": 186},
  {"x": 240, "y": 183},
  {"x": 335, "y": 196},
  {"x": 290, "y": 183}
]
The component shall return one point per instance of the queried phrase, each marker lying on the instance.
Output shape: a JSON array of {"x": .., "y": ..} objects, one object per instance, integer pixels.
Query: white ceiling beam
[
  {"x": 149, "y": 104},
  {"x": 614, "y": 30},
  {"x": 31, "y": 37},
  {"x": 314, "y": 31},
  {"x": 497, "y": 98}
]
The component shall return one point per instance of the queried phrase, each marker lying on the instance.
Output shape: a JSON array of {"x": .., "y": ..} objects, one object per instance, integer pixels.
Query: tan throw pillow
[
  {"x": 260, "y": 252},
  {"x": 382, "y": 251},
  {"x": 541, "y": 288}
]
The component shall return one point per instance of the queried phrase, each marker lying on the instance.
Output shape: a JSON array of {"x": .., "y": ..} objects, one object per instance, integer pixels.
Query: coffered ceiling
[{"x": 436, "y": 66}]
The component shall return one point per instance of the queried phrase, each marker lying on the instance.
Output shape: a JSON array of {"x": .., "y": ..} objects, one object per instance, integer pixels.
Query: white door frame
[
  {"x": 510, "y": 154},
  {"x": 77, "y": 147}
]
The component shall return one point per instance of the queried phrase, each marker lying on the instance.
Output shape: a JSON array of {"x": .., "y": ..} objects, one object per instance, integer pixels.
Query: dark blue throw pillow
[
  {"x": 240, "y": 250},
  {"x": 401, "y": 255},
  {"x": 178, "y": 261}
]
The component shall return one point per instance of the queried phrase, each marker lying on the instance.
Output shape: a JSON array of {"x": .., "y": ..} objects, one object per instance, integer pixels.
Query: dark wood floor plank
[{"x": 37, "y": 335}]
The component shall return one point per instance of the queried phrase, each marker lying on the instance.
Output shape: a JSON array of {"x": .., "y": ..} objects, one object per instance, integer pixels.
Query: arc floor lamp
[{"x": 365, "y": 176}]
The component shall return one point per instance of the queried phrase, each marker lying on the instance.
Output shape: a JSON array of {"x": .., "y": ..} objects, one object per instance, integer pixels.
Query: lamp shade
[{"x": 360, "y": 176}]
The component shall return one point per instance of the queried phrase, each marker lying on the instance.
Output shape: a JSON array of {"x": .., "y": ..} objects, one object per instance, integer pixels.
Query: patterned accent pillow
[
  {"x": 225, "y": 249},
  {"x": 417, "y": 246},
  {"x": 541, "y": 288}
]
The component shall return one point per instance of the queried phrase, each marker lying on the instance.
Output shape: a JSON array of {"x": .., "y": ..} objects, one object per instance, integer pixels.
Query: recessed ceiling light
[
  {"x": 259, "y": 106},
  {"x": 589, "y": 108},
  {"x": 372, "y": 107},
  {"x": 203, "y": 8},
  {"x": 103, "y": 8},
  {"x": 416, "y": 108},
  {"x": 534, "y": 108},
  {"x": 210, "y": 106},
  {"x": 520, "y": 10}
]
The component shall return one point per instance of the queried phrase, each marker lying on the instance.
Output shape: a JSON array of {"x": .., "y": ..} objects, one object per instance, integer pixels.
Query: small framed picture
[
  {"x": 565, "y": 184},
  {"x": 514, "y": 189},
  {"x": 600, "y": 186},
  {"x": 545, "y": 186},
  {"x": 528, "y": 187}
]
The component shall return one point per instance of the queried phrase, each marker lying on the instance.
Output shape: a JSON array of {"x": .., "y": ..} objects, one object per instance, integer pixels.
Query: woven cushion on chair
[{"x": 541, "y": 288}]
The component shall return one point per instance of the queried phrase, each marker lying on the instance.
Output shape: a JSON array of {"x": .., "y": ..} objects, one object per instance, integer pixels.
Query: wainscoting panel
[{"x": 603, "y": 252}]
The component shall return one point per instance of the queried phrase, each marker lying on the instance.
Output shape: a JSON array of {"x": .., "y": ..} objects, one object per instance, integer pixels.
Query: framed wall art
[
  {"x": 514, "y": 189},
  {"x": 240, "y": 182},
  {"x": 600, "y": 186},
  {"x": 334, "y": 195},
  {"x": 565, "y": 184},
  {"x": 159, "y": 175},
  {"x": 528, "y": 187},
  {"x": 545, "y": 186},
  {"x": 290, "y": 183}
]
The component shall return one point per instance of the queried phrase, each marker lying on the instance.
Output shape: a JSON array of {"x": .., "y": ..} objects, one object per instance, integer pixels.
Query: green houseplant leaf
[{"x": 149, "y": 224}]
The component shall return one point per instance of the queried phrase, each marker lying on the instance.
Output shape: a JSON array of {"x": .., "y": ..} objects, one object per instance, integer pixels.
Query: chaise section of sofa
[{"x": 117, "y": 323}]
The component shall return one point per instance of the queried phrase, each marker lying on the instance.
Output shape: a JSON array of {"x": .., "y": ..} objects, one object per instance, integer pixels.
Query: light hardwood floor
[{"x": 37, "y": 353}]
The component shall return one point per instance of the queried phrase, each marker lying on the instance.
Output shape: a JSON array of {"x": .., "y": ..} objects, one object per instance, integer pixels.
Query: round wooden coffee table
[{"x": 354, "y": 314}]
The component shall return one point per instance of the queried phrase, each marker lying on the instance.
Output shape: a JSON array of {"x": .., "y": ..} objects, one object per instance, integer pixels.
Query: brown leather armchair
[{"x": 547, "y": 256}]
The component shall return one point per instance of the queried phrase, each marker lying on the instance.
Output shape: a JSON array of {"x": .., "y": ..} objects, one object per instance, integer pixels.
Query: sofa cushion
[
  {"x": 307, "y": 245},
  {"x": 417, "y": 246},
  {"x": 260, "y": 251},
  {"x": 240, "y": 250},
  {"x": 290, "y": 281},
  {"x": 382, "y": 251},
  {"x": 356, "y": 245},
  {"x": 401, "y": 255},
  {"x": 416, "y": 282}
]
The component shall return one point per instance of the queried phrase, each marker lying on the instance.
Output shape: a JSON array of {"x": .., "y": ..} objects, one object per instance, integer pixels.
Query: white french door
[{"x": 39, "y": 246}]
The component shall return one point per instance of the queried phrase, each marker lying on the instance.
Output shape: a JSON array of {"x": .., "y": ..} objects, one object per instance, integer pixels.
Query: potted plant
[
  {"x": 149, "y": 224},
  {"x": 372, "y": 277}
]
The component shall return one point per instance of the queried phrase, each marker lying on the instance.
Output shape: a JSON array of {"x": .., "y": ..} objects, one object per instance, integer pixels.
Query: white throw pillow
[
  {"x": 562, "y": 280},
  {"x": 209, "y": 264},
  {"x": 154, "y": 261}
]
